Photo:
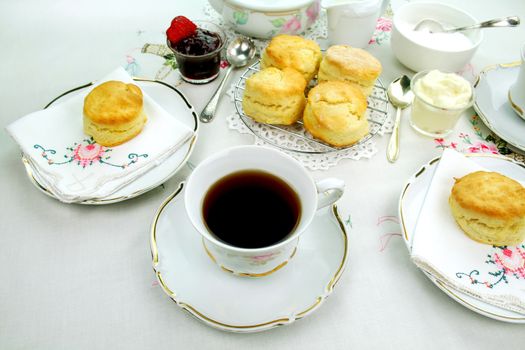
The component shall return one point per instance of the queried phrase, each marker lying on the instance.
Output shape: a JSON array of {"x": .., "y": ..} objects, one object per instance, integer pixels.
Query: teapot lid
[{"x": 270, "y": 5}]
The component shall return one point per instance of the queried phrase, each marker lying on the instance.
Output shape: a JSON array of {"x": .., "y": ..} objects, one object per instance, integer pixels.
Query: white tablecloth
[{"x": 80, "y": 277}]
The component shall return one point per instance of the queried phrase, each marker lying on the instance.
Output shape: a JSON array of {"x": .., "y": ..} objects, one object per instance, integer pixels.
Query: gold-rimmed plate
[
  {"x": 411, "y": 200},
  {"x": 176, "y": 104},
  {"x": 244, "y": 304}
]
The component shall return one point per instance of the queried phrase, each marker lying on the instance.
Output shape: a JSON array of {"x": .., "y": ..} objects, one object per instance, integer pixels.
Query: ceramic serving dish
[
  {"x": 266, "y": 18},
  {"x": 418, "y": 54}
]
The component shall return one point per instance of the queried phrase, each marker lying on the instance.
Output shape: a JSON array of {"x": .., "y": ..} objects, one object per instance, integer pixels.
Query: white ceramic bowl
[
  {"x": 418, "y": 54},
  {"x": 265, "y": 19}
]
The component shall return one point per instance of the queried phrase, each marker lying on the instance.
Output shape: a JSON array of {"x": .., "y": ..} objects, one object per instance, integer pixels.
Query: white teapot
[
  {"x": 267, "y": 18},
  {"x": 352, "y": 22}
]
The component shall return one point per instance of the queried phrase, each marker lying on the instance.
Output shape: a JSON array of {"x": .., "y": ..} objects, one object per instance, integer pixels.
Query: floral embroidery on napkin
[
  {"x": 392, "y": 227},
  {"x": 87, "y": 153},
  {"x": 486, "y": 144},
  {"x": 510, "y": 262}
]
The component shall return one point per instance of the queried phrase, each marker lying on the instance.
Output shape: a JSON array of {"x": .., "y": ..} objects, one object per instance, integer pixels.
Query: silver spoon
[
  {"x": 401, "y": 97},
  {"x": 433, "y": 26},
  {"x": 238, "y": 53}
]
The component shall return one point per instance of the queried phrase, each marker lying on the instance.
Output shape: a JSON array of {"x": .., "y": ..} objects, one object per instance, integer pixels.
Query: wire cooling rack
[{"x": 294, "y": 137}]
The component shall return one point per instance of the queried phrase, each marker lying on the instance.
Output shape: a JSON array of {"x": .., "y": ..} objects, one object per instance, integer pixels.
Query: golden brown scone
[
  {"x": 113, "y": 113},
  {"x": 335, "y": 113},
  {"x": 353, "y": 65},
  {"x": 489, "y": 208},
  {"x": 292, "y": 51},
  {"x": 274, "y": 96}
]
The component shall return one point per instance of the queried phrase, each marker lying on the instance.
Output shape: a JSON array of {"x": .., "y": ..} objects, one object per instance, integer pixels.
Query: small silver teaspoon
[
  {"x": 400, "y": 96},
  {"x": 238, "y": 53},
  {"x": 433, "y": 26}
]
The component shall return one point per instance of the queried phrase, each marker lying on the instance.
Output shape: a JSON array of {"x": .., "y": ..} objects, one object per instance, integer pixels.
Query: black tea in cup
[{"x": 251, "y": 209}]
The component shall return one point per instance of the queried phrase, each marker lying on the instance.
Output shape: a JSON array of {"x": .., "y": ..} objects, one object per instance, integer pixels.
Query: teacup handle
[{"x": 329, "y": 190}]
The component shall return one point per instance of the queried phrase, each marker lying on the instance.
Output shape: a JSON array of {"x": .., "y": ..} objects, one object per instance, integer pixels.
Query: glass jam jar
[{"x": 199, "y": 56}]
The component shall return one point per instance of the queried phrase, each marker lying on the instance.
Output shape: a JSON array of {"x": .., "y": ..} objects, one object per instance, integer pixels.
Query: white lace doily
[
  {"x": 314, "y": 157},
  {"x": 298, "y": 147}
]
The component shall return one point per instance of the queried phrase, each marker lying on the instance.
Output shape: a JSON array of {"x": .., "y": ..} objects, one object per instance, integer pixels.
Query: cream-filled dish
[{"x": 440, "y": 98}]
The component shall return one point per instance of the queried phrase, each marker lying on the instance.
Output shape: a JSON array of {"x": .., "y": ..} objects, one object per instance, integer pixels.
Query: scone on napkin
[
  {"x": 73, "y": 167},
  {"x": 493, "y": 274}
]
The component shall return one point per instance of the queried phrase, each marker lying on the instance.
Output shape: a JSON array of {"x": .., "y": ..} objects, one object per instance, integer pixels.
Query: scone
[
  {"x": 353, "y": 65},
  {"x": 274, "y": 96},
  {"x": 292, "y": 51},
  {"x": 489, "y": 208},
  {"x": 335, "y": 113},
  {"x": 113, "y": 113}
]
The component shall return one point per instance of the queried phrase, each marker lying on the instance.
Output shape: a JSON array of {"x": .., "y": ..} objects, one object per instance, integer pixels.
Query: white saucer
[
  {"x": 410, "y": 203},
  {"x": 493, "y": 106},
  {"x": 175, "y": 103},
  {"x": 242, "y": 304}
]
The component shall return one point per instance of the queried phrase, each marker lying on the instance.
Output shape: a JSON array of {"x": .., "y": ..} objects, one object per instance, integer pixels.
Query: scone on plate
[
  {"x": 113, "y": 113},
  {"x": 353, "y": 65},
  {"x": 489, "y": 208},
  {"x": 335, "y": 113},
  {"x": 274, "y": 96},
  {"x": 292, "y": 51}
]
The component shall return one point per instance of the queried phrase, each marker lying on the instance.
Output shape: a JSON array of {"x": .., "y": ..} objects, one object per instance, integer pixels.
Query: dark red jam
[
  {"x": 198, "y": 56},
  {"x": 200, "y": 43}
]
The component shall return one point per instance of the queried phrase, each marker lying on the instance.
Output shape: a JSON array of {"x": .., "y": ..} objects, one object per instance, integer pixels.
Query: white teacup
[
  {"x": 256, "y": 262},
  {"x": 517, "y": 90}
]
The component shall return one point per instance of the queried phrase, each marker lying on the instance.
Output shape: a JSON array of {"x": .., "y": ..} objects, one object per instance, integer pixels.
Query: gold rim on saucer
[
  {"x": 250, "y": 327},
  {"x": 515, "y": 107}
]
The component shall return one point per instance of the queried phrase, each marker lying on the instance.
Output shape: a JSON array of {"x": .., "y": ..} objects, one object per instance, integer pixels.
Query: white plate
[
  {"x": 410, "y": 203},
  {"x": 243, "y": 304},
  {"x": 493, "y": 106},
  {"x": 175, "y": 103}
]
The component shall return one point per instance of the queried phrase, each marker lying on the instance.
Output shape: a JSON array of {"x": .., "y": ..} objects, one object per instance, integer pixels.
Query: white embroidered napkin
[
  {"x": 495, "y": 275},
  {"x": 75, "y": 168}
]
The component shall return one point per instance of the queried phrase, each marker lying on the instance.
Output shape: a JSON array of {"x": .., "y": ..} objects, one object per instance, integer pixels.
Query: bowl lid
[{"x": 270, "y": 5}]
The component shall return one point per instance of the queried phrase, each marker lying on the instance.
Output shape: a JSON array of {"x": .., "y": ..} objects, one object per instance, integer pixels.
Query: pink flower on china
[
  {"x": 263, "y": 257},
  {"x": 384, "y": 24},
  {"x": 312, "y": 12},
  {"x": 292, "y": 26},
  {"x": 86, "y": 154},
  {"x": 512, "y": 262},
  {"x": 454, "y": 145}
]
